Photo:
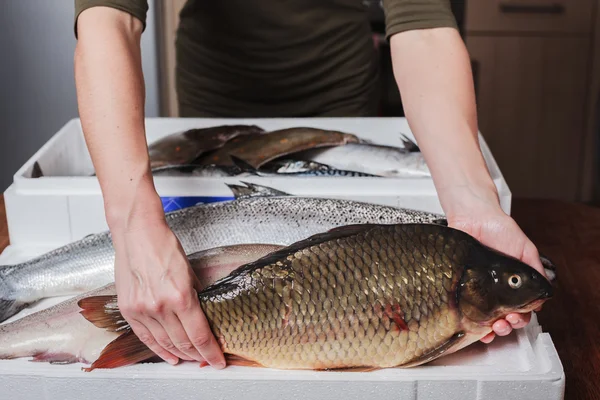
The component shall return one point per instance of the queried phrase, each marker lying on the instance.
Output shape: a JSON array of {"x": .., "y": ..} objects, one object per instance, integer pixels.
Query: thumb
[{"x": 531, "y": 257}]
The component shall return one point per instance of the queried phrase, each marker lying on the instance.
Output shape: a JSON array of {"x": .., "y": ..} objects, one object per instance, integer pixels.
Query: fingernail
[
  {"x": 513, "y": 319},
  {"x": 172, "y": 361},
  {"x": 220, "y": 365},
  {"x": 504, "y": 331}
]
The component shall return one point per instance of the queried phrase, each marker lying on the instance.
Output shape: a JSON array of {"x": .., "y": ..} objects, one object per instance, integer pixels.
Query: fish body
[
  {"x": 59, "y": 334},
  {"x": 372, "y": 159},
  {"x": 88, "y": 263},
  {"x": 205, "y": 171},
  {"x": 184, "y": 147},
  {"x": 361, "y": 296},
  {"x": 304, "y": 168},
  {"x": 257, "y": 150}
]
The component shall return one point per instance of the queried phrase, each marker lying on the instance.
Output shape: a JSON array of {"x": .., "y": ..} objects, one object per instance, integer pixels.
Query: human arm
[
  {"x": 433, "y": 73},
  {"x": 155, "y": 284}
]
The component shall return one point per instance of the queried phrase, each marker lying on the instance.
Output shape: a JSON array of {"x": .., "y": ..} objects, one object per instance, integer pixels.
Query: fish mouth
[{"x": 532, "y": 305}]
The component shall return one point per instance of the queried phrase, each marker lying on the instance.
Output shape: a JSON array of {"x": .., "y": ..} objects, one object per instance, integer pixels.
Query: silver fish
[
  {"x": 272, "y": 217},
  {"x": 61, "y": 335},
  {"x": 206, "y": 171},
  {"x": 305, "y": 168},
  {"x": 372, "y": 159}
]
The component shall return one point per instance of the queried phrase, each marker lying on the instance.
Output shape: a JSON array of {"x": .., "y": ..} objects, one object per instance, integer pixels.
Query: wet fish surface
[
  {"x": 372, "y": 159},
  {"x": 257, "y": 150},
  {"x": 273, "y": 217},
  {"x": 61, "y": 335},
  {"x": 185, "y": 147},
  {"x": 205, "y": 171},
  {"x": 296, "y": 168},
  {"x": 356, "y": 297}
]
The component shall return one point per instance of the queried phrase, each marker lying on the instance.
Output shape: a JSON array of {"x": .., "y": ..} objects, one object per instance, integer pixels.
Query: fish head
[{"x": 494, "y": 285}]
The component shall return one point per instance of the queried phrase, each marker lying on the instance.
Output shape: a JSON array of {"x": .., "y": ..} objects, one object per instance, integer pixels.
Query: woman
[{"x": 251, "y": 58}]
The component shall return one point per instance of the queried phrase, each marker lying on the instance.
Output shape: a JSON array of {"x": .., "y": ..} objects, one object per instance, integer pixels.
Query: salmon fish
[
  {"x": 258, "y": 215},
  {"x": 257, "y": 150},
  {"x": 184, "y": 147},
  {"x": 60, "y": 334},
  {"x": 358, "y": 297}
]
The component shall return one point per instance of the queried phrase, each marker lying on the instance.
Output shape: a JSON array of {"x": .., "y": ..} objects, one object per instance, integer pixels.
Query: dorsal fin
[
  {"x": 225, "y": 283},
  {"x": 36, "y": 171},
  {"x": 243, "y": 165},
  {"x": 254, "y": 190},
  {"x": 409, "y": 145}
]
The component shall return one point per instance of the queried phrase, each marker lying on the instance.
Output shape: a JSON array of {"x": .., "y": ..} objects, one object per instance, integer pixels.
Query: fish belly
[{"x": 59, "y": 334}]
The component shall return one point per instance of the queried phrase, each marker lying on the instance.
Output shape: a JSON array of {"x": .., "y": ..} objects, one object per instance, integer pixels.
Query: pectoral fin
[
  {"x": 436, "y": 352},
  {"x": 253, "y": 190},
  {"x": 233, "y": 359}
]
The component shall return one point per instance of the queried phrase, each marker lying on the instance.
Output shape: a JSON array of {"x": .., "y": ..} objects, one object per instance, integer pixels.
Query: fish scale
[{"x": 341, "y": 321}]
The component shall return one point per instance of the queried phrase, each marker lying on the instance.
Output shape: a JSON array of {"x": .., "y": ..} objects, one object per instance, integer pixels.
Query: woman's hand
[
  {"x": 433, "y": 72},
  {"x": 487, "y": 222},
  {"x": 156, "y": 290}
]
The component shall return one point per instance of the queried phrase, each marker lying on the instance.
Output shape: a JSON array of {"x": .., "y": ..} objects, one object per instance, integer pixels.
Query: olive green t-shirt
[{"x": 283, "y": 58}]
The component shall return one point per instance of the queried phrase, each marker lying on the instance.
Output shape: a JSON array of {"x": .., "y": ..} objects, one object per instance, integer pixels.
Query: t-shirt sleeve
[
  {"x": 137, "y": 8},
  {"x": 405, "y": 15}
]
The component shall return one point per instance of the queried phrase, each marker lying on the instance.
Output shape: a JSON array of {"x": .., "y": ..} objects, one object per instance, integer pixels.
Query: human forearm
[
  {"x": 433, "y": 73},
  {"x": 110, "y": 91},
  {"x": 434, "y": 76}
]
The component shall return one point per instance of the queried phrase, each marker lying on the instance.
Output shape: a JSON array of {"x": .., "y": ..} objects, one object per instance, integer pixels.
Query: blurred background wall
[{"x": 37, "y": 87}]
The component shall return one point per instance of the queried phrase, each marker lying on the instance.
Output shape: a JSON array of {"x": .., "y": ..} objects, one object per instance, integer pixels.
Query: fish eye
[{"x": 515, "y": 281}]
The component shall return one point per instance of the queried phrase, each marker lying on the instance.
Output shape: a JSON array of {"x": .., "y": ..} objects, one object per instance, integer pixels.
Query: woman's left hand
[{"x": 494, "y": 228}]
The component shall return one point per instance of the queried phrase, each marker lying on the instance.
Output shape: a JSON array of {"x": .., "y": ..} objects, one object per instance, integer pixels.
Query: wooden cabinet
[
  {"x": 531, "y": 94},
  {"x": 537, "y": 83},
  {"x": 560, "y": 16}
]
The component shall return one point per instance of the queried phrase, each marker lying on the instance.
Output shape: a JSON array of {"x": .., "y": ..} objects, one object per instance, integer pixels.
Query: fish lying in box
[
  {"x": 60, "y": 335},
  {"x": 357, "y": 297},
  {"x": 258, "y": 215},
  {"x": 184, "y": 147},
  {"x": 258, "y": 150},
  {"x": 213, "y": 151}
]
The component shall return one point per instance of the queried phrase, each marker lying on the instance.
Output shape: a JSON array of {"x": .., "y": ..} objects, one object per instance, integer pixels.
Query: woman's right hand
[
  {"x": 155, "y": 284},
  {"x": 156, "y": 290}
]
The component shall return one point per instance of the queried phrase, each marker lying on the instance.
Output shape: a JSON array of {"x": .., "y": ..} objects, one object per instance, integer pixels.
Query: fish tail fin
[
  {"x": 127, "y": 349},
  {"x": 36, "y": 171},
  {"x": 103, "y": 311},
  {"x": 243, "y": 165},
  {"x": 254, "y": 190},
  {"x": 9, "y": 305},
  {"x": 409, "y": 144}
]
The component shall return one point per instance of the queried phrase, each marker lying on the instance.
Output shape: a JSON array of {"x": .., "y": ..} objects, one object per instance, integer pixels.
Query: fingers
[
  {"x": 504, "y": 327},
  {"x": 531, "y": 257},
  {"x": 201, "y": 336},
  {"x": 148, "y": 339},
  {"x": 179, "y": 337},
  {"x": 488, "y": 338},
  {"x": 501, "y": 327},
  {"x": 518, "y": 321},
  {"x": 162, "y": 332}
]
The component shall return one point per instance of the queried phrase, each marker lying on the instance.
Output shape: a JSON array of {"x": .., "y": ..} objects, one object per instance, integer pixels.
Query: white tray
[
  {"x": 71, "y": 205},
  {"x": 523, "y": 365}
]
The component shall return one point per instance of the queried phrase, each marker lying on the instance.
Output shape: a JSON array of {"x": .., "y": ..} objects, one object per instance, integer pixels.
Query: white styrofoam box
[
  {"x": 523, "y": 365},
  {"x": 69, "y": 200}
]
